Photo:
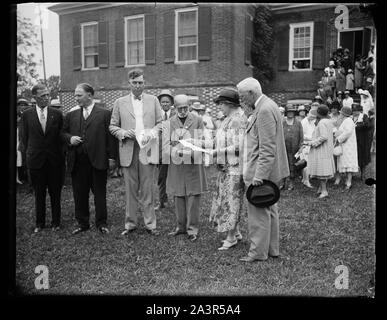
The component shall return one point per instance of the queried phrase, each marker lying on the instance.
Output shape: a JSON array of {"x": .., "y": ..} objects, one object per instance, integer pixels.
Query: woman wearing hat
[
  {"x": 362, "y": 127},
  {"x": 320, "y": 159},
  {"x": 294, "y": 137},
  {"x": 339, "y": 98},
  {"x": 346, "y": 136},
  {"x": 350, "y": 81},
  {"x": 227, "y": 204},
  {"x": 359, "y": 68},
  {"x": 301, "y": 113},
  {"x": 366, "y": 100},
  {"x": 347, "y": 101},
  {"x": 340, "y": 79}
]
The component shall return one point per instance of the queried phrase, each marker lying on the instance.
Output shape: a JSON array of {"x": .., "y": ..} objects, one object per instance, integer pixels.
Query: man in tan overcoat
[{"x": 186, "y": 179}]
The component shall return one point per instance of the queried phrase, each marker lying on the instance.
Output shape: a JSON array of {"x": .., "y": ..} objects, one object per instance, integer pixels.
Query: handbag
[{"x": 337, "y": 149}]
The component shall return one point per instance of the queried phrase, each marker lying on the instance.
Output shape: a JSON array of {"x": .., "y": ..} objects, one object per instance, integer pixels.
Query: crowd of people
[{"x": 252, "y": 141}]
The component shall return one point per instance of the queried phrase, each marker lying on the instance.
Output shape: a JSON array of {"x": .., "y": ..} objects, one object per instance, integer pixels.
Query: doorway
[{"x": 358, "y": 41}]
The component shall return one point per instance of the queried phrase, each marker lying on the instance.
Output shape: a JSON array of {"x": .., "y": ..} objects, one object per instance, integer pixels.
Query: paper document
[
  {"x": 193, "y": 147},
  {"x": 139, "y": 137}
]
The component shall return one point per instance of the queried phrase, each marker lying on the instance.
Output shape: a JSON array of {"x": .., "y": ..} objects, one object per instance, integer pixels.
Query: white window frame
[
  {"x": 177, "y": 11},
  {"x": 291, "y": 44},
  {"x": 126, "y": 39},
  {"x": 82, "y": 45}
]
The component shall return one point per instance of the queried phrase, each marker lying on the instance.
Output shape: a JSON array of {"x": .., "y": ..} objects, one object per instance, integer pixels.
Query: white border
[
  {"x": 177, "y": 11},
  {"x": 291, "y": 44},
  {"x": 82, "y": 49},
  {"x": 126, "y": 39}
]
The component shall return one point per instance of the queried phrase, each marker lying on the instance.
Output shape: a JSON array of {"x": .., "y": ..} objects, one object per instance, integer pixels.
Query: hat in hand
[{"x": 264, "y": 195}]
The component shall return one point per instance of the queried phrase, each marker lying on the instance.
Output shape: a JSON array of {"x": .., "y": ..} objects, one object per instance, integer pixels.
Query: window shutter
[
  {"x": 283, "y": 56},
  {"x": 248, "y": 38},
  {"x": 319, "y": 45},
  {"x": 103, "y": 49},
  {"x": 119, "y": 43},
  {"x": 150, "y": 39},
  {"x": 169, "y": 36},
  {"x": 77, "y": 58},
  {"x": 205, "y": 32}
]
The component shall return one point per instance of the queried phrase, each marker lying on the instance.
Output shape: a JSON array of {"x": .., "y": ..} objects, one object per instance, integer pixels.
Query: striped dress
[{"x": 320, "y": 159}]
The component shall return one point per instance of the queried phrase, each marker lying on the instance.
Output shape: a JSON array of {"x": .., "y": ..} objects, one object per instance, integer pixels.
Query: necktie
[
  {"x": 165, "y": 116},
  {"x": 85, "y": 113},
  {"x": 42, "y": 120}
]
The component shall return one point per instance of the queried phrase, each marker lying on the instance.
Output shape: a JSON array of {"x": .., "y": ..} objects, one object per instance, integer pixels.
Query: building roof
[
  {"x": 71, "y": 7},
  {"x": 278, "y": 8}
]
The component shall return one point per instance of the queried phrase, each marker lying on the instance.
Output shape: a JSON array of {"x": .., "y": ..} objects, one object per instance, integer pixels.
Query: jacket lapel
[
  {"x": 145, "y": 110},
  {"x": 91, "y": 116},
  {"x": 255, "y": 113},
  {"x": 50, "y": 119}
]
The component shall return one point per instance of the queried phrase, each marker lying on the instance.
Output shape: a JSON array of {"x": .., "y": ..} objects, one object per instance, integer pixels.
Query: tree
[
  {"x": 27, "y": 41},
  {"x": 262, "y": 46},
  {"x": 53, "y": 84}
]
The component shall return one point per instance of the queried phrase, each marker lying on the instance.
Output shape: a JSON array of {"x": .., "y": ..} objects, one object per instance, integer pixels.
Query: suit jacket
[
  {"x": 39, "y": 146},
  {"x": 123, "y": 118},
  {"x": 264, "y": 154},
  {"x": 183, "y": 179},
  {"x": 98, "y": 141}
]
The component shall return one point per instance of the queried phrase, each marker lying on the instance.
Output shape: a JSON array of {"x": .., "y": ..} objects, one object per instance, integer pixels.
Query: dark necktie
[
  {"x": 165, "y": 116},
  {"x": 137, "y": 98}
]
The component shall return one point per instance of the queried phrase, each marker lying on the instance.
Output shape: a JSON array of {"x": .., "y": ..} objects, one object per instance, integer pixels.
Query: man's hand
[
  {"x": 129, "y": 134},
  {"x": 112, "y": 164},
  {"x": 257, "y": 182},
  {"x": 75, "y": 140}
]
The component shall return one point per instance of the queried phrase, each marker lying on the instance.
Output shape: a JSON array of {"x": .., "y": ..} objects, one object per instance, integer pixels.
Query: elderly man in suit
[
  {"x": 136, "y": 119},
  {"x": 90, "y": 155},
  {"x": 186, "y": 179},
  {"x": 264, "y": 157},
  {"x": 166, "y": 101},
  {"x": 41, "y": 128}
]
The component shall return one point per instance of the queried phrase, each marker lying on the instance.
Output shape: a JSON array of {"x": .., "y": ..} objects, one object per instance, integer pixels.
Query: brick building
[
  {"x": 190, "y": 48},
  {"x": 305, "y": 36},
  {"x": 199, "y": 48}
]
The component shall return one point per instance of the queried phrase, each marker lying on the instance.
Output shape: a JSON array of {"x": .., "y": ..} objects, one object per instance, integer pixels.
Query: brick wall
[{"x": 226, "y": 64}]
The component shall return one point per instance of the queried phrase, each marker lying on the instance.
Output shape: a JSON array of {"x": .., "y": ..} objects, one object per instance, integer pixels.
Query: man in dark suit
[
  {"x": 90, "y": 154},
  {"x": 166, "y": 102},
  {"x": 41, "y": 138}
]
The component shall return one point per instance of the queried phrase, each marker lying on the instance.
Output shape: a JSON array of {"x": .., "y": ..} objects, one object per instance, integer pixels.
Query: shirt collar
[
  {"x": 259, "y": 99},
  {"x": 38, "y": 108},
  {"x": 132, "y": 95},
  {"x": 90, "y": 107}
]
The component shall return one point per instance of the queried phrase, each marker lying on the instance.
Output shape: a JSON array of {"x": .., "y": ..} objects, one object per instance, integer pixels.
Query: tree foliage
[
  {"x": 53, "y": 85},
  {"x": 27, "y": 42},
  {"x": 262, "y": 46}
]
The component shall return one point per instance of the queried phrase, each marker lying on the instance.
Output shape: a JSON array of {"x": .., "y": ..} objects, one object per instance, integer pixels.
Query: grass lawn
[{"x": 315, "y": 237}]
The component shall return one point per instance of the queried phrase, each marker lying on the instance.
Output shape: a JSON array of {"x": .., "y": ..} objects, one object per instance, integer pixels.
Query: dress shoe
[
  {"x": 348, "y": 186},
  {"x": 55, "y": 228},
  {"x": 153, "y": 232},
  {"x": 323, "y": 195},
  {"x": 228, "y": 244},
  {"x": 176, "y": 233},
  {"x": 78, "y": 230},
  {"x": 249, "y": 259},
  {"x": 127, "y": 231},
  {"x": 103, "y": 230},
  {"x": 37, "y": 229},
  {"x": 307, "y": 184},
  {"x": 192, "y": 237}
]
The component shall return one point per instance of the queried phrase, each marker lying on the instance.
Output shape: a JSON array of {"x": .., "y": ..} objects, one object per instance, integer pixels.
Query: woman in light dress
[
  {"x": 227, "y": 204},
  {"x": 345, "y": 135},
  {"x": 321, "y": 164}
]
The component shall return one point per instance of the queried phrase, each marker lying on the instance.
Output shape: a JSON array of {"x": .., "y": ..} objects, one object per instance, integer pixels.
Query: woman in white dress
[
  {"x": 308, "y": 126},
  {"x": 366, "y": 100},
  {"x": 346, "y": 136}
]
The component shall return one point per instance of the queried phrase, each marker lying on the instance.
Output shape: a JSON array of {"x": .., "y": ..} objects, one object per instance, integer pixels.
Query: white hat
[
  {"x": 331, "y": 63},
  {"x": 55, "y": 102}
]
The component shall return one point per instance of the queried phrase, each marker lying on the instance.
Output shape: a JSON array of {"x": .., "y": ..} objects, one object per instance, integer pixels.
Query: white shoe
[{"x": 227, "y": 245}]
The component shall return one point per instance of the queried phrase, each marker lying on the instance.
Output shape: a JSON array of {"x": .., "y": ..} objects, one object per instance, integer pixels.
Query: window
[
  {"x": 186, "y": 35},
  {"x": 301, "y": 46},
  {"x": 90, "y": 45},
  {"x": 135, "y": 41}
]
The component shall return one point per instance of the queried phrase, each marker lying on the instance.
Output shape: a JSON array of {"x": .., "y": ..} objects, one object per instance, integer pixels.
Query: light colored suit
[
  {"x": 138, "y": 175},
  {"x": 264, "y": 157}
]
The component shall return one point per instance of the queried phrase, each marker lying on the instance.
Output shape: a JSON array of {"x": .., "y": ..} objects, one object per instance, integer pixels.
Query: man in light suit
[
  {"x": 264, "y": 157},
  {"x": 136, "y": 118}
]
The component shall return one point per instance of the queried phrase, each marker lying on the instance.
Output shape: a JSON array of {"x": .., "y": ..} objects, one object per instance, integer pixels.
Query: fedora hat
[
  {"x": 165, "y": 92},
  {"x": 346, "y": 111},
  {"x": 198, "y": 106},
  {"x": 228, "y": 94},
  {"x": 264, "y": 195}
]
